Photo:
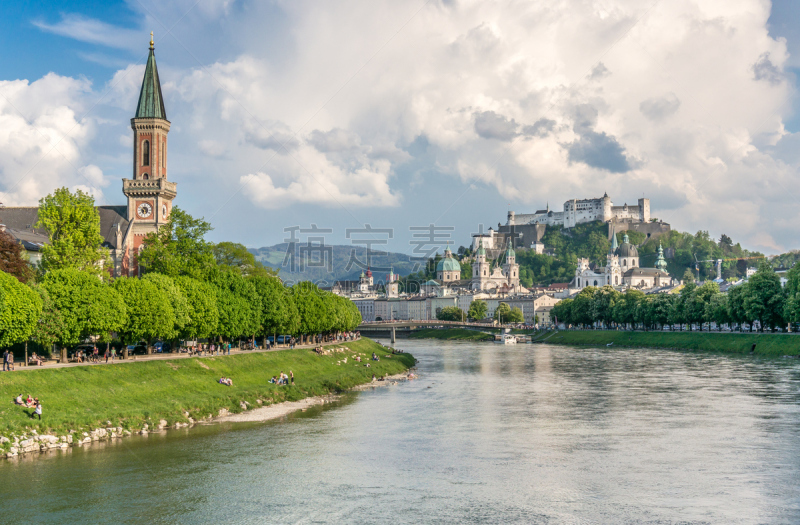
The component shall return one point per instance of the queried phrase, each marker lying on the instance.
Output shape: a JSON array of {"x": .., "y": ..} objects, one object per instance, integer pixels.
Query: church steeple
[{"x": 151, "y": 102}]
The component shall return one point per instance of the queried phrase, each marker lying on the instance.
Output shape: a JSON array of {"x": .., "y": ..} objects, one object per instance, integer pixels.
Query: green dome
[
  {"x": 448, "y": 264},
  {"x": 510, "y": 252}
]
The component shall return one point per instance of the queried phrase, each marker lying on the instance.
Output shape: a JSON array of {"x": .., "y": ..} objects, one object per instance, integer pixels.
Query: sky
[{"x": 398, "y": 115}]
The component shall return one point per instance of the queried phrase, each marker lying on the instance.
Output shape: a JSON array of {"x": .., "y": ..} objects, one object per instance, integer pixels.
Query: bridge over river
[{"x": 390, "y": 328}]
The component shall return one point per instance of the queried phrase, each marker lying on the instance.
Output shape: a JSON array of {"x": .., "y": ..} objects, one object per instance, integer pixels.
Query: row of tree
[
  {"x": 477, "y": 312},
  {"x": 190, "y": 288},
  {"x": 761, "y": 302}
]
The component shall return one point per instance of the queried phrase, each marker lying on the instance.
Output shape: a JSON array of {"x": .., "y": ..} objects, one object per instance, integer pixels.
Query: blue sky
[{"x": 400, "y": 114}]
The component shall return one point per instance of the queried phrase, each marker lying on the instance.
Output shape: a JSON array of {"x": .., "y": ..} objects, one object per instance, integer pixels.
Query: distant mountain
[{"x": 332, "y": 263}]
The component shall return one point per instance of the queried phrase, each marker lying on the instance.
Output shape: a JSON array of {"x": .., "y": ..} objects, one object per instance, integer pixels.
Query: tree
[
  {"x": 581, "y": 312},
  {"x": 150, "y": 314},
  {"x": 178, "y": 248},
  {"x": 688, "y": 276},
  {"x": 450, "y": 313},
  {"x": 87, "y": 305},
  {"x": 626, "y": 309},
  {"x": 277, "y": 308},
  {"x": 308, "y": 300},
  {"x": 477, "y": 310},
  {"x": 602, "y": 307},
  {"x": 764, "y": 297},
  {"x": 12, "y": 258},
  {"x": 502, "y": 313},
  {"x": 237, "y": 256},
  {"x": 50, "y": 324},
  {"x": 178, "y": 301},
  {"x": 792, "y": 313},
  {"x": 736, "y": 311},
  {"x": 697, "y": 302},
  {"x": 201, "y": 305},
  {"x": 562, "y": 312},
  {"x": 20, "y": 308},
  {"x": 73, "y": 225},
  {"x": 717, "y": 310},
  {"x": 661, "y": 306},
  {"x": 516, "y": 316},
  {"x": 240, "y": 306}
]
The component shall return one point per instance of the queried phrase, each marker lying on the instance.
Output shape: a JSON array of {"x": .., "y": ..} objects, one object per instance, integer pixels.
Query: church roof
[
  {"x": 448, "y": 264},
  {"x": 23, "y": 219},
  {"x": 649, "y": 272},
  {"x": 151, "y": 102}
]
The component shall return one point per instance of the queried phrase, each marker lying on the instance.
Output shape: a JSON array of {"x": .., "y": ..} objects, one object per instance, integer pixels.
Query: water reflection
[{"x": 489, "y": 433}]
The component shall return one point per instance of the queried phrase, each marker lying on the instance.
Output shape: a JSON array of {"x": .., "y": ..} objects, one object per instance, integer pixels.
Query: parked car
[
  {"x": 161, "y": 347},
  {"x": 139, "y": 348},
  {"x": 284, "y": 339}
]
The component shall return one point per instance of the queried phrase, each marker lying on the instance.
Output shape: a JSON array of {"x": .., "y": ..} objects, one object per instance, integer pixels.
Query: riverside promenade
[{"x": 178, "y": 355}]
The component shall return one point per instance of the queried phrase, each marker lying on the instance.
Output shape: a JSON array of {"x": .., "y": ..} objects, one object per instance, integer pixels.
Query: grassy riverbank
[
  {"x": 451, "y": 334},
  {"x": 131, "y": 394},
  {"x": 766, "y": 344}
]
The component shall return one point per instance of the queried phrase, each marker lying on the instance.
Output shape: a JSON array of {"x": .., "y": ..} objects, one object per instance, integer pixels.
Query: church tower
[
  {"x": 511, "y": 268},
  {"x": 149, "y": 192},
  {"x": 481, "y": 270}
]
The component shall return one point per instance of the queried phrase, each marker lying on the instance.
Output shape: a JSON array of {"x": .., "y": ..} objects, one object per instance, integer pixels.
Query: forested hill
[{"x": 339, "y": 263}]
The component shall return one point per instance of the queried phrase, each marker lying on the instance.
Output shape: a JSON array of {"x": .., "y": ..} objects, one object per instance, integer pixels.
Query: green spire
[
  {"x": 480, "y": 251},
  {"x": 661, "y": 263},
  {"x": 625, "y": 239},
  {"x": 614, "y": 244},
  {"x": 510, "y": 251},
  {"x": 151, "y": 103}
]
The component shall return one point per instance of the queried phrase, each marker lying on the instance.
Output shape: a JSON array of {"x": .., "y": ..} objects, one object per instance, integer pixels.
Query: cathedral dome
[
  {"x": 448, "y": 264},
  {"x": 626, "y": 249}
]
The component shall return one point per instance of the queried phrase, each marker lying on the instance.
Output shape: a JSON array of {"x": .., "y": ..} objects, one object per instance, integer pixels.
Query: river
[{"x": 487, "y": 434}]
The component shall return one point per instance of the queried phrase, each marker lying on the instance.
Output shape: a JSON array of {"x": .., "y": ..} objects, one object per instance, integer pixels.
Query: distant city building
[{"x": 584, "y": 210}]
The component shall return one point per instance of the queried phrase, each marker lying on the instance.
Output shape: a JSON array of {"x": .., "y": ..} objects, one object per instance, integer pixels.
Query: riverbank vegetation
[
  {"x": 130, "y": 394},
  {"x": 737, "y": 343},
  {"x": 190, "y": 288},
  {"x": 761, "y": 304},
  {"x": 451, "y": 334}
]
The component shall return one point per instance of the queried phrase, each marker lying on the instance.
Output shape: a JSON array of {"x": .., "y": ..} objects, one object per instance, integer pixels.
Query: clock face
[{"x": 144, "y": 210}]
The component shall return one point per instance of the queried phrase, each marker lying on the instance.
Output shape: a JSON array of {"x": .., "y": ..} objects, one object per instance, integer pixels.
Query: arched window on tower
[{"x": 146, "y": 153}]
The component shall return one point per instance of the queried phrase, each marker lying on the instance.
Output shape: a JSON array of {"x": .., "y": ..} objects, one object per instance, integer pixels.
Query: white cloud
[{"x": 681, "y": 100}]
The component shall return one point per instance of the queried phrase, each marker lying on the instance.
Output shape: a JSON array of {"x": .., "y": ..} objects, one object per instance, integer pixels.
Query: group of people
[
  {"x": 8, "y": 361},
  {"x": 30, "y": 403},
  {"x": 283, "y": 379},
  {"x": 226, "y": 381},
  {"x": 209, "y": 349}
]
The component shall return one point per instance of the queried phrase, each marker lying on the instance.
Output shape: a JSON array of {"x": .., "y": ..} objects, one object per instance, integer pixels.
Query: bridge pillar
[{"x": 393, "y": 335}]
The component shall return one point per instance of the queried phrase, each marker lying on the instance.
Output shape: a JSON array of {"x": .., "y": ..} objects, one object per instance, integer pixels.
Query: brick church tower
[{"x": 149, "y": 192}]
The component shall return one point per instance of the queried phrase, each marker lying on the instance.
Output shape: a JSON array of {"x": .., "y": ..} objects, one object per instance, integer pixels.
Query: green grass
[
  {"x": 131, "y": 394},
  {"x": 766, "y": 344},
  {"x": 451, "y": 334}
]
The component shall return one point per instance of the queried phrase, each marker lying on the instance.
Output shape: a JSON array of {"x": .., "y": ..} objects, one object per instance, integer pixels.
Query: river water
[{"x": 487, "y": 434}]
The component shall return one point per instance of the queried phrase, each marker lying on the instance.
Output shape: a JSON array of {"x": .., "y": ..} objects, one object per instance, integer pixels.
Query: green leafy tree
[
  {"x": 13, "y": 259},
  {"x": 602, "y": 308},
  {"x": 466, "y": 270},
  {"x": 179, "y": 247},
  {"x": 626, "y": 308},
  {"x": 201, "y": 305},
  {"x": 764, "y": 297},
  {"x": 792, "y": 313},
  {"x": 20, "y": 308},
  {"x": 717, "y": 310},
  {"x": 516, "y": 316},
  {"x": 50, "y": 324},
  {"x": 581, "y": 312},
  {"x": 450, "y": 313},
  {"x": 502, "y": 313},
  {"x": 88, "y": 306},
  {"x": 150, "y": 314},
  {"x": 697, "y": 303},
  {"x": 276, "y": 301},
  {"x": 240, "y": 306},
  {"x": 562, "y": 312},
  {"x": 477, "y": 310},
  {"x": 178, "y": 301},
  {"x": 308, "y": 300},
  {"x": 73, "y": 226},
  {"x": 736, "y": 311},
  {"x": 238, "y": 257}
]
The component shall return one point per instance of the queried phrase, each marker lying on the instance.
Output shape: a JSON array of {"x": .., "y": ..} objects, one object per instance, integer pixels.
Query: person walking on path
[
  {"x": 113, "y": 354},
  {"x": 106, "y": 355},
  {"x": 11, "y": 361},
  {"x": 5, "y": 360},
  {"x": 38, "y": 410}
]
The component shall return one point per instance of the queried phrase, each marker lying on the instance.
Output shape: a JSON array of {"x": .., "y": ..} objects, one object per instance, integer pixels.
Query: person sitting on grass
[
  {"x": 19, "y": 400},
  {"x": 29, "y": 401}
]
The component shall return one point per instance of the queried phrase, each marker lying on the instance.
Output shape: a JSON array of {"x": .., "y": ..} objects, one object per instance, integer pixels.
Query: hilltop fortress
[{"x": 527, "y": 229}]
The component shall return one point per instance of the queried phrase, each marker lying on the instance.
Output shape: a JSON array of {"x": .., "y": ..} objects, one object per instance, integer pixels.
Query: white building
[{"x": 585, "y": 210}]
